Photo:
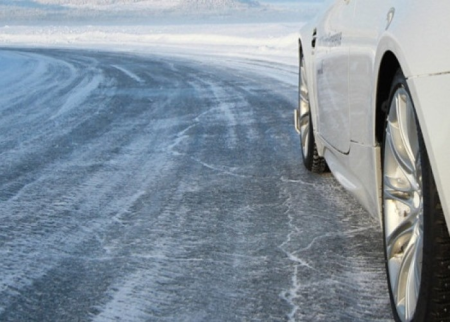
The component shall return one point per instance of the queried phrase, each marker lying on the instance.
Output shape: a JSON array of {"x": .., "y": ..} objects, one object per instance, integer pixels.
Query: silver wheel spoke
[
  {"x": 413, "y": 281},
  {"x": 304, "y": 115},
  {"x": 304, "y": 118},
  {"x": 408, "y": 282},
  {"x": 403, "y": 131},
  {"x": 403, "y": 205},
  {"x": 305, "y": 137},
  {"x": 304, "y": 109},
  {"x": 303, "y": 83},
  {"x": 396, "y": 242},
  {"x": 397, "y": 153},
  {"x": 402, "y": 197}
]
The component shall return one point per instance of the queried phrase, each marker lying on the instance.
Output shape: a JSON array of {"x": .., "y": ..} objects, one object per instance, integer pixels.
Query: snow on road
[{"x": 145, "y": 187}]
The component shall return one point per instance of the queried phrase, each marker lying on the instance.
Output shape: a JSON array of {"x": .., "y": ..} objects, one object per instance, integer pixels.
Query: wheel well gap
[{"x": 388, "y": 67}]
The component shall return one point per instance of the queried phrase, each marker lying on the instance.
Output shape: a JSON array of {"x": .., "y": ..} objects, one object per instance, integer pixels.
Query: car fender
[{"x": 427, "y": 84}]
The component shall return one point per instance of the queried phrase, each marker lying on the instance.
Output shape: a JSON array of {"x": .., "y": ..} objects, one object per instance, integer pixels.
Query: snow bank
[{"x": 273, "y": 42}]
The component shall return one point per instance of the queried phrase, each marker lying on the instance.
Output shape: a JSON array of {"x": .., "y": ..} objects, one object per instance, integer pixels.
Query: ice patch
[
  {"x": 128, "y": 73},
  {"x": 79, "y": 95},
  {"x": 221, "y": 169}
]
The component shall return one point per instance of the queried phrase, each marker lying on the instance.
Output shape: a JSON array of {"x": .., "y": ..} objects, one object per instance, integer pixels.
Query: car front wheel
[{"x": 311, "y": 159}]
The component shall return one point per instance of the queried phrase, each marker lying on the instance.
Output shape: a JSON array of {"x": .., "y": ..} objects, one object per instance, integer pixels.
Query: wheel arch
[
  {"x": 386, "y": 73},
  {"x": 390, "y": 62},
  {"x": 300, "y": 48}
]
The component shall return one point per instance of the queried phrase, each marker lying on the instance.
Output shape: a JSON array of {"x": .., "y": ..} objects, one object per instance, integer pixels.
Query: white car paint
[
  {"x": 343, "y": 81},
  {"x": 331, "y": 58}
]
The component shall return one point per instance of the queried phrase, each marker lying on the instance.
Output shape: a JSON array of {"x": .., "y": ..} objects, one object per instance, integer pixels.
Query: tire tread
[
  {"x": 318, "y": 165},
  {"x": 439, "y": 296},
  {"x": 440, "y": 293}
]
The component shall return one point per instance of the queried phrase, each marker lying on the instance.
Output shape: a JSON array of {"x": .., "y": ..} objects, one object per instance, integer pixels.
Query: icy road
[{"x": 148, "y": 188}]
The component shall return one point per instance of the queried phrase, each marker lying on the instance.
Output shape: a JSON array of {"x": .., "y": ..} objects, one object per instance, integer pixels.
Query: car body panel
[
  {"x": 351, "y": 172},
  {"x": 345, "y": 132},
  {"x": 369, "y": 22},
  {"x": 331, "y": 59},
  {"x": 425, "y": 45},
  {"x": 431, "y": 94}
]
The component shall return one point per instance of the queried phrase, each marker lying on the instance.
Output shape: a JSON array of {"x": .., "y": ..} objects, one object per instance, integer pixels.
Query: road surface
[{"x": 152, "y": 188}]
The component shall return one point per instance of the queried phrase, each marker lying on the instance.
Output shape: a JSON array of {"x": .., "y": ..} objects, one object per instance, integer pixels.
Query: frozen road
[{"x": 147, "y": 188}]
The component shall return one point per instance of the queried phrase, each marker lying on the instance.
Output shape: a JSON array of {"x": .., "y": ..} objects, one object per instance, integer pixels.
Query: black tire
[
  {"x": 313, "y": 161},
  {"x": 432, "y": 302},
  {"x": 310, "y": 156}
]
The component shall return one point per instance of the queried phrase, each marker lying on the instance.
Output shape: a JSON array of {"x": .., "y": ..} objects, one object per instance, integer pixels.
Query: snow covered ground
[
  {"x": 273, "y": 42},
  {"x": 263, "y": 30}
]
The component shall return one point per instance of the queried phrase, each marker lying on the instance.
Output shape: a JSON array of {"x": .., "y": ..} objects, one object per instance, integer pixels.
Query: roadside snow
[
  {"x": 272, "y": 42},
  {"x": 265, "y": 29}
]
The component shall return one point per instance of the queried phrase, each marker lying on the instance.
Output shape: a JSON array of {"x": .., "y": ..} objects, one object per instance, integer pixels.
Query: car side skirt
[{"x": 359, "y": 172}]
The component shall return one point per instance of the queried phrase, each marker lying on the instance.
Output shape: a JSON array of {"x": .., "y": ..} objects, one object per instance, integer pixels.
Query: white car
[{"x": 374, "y": 108}]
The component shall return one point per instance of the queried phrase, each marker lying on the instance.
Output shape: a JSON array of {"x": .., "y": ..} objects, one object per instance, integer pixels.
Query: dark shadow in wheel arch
[{"x": 388, "y": 67}]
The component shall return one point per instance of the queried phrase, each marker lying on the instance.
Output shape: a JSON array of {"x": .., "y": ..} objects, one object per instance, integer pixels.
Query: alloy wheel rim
[
  {"x": 403, "y": 204},
  {"x": 304, "y": 108}
]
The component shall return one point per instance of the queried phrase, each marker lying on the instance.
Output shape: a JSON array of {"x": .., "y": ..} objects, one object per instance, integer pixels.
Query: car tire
[
  {"x": 311, "y": 159},
  {"x": 416, "y": 238}
]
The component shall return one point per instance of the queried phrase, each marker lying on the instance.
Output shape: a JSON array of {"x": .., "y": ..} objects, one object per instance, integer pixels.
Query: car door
[
  {"x": 332, "y": 63},
  {"x": 371, "y": 19}
]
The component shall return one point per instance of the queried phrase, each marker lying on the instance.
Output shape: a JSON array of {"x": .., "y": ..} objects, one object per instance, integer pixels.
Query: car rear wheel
[
  {"x": 416, "y": 239},
  {"x": 311, "y": 159}
]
